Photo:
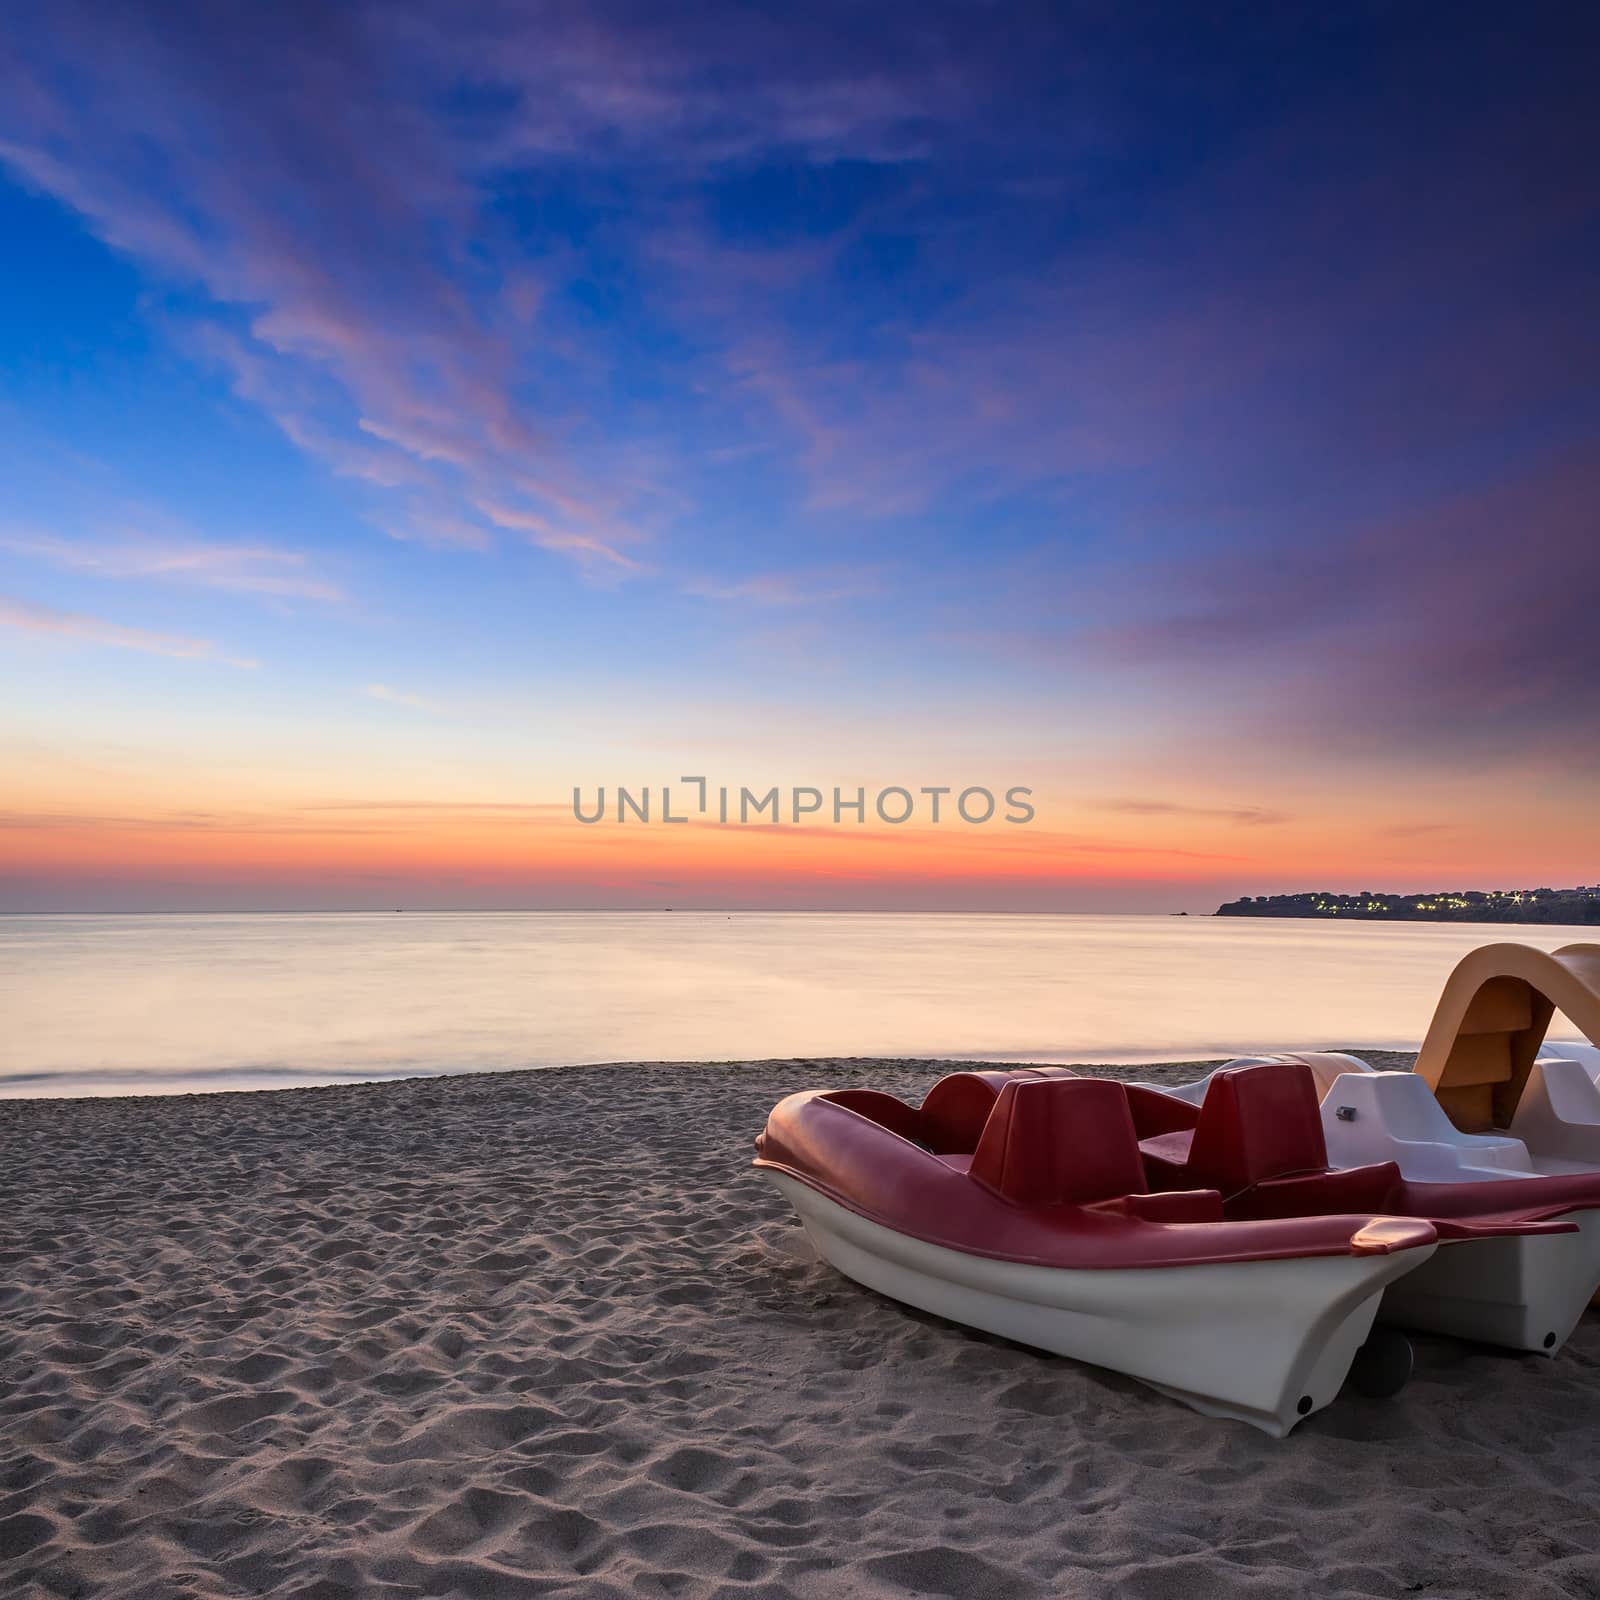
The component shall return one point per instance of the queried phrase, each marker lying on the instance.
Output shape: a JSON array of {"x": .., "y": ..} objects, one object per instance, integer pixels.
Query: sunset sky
[{"x": 410, "y": 412}]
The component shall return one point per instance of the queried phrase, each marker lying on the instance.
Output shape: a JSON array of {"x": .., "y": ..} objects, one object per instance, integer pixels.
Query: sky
[{"x": 411, "y": 413}]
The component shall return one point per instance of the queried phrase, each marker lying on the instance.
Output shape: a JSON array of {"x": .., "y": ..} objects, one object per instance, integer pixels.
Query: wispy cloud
[
  {"x": 399, "y": 697},
  {"x": 440, "y": 529},
  {"x": 1463, "y": 627},
  {"x": 487, "y": 808},
  {"x": 243, "y": 569},
  {"x": 801, "y": 588},
  {"x": 177, "y": 822},
  {"x": 593, "y": 545},
  {"x": 27, "y": 617},
  {"x": 1251, "y": 816}
]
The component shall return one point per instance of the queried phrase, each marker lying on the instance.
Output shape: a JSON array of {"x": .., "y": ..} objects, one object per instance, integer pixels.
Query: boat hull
[
  {"x": 1526, "y": 1293},
  {"x": 1263, "y": 1342}
]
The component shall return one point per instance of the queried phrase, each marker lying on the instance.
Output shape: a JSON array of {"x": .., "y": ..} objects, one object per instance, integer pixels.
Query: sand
[{"x": 547, "y": 1334}]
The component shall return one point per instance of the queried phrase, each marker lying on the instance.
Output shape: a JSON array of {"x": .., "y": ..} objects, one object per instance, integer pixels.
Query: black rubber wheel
[{"x": 1382, "y": 1366}]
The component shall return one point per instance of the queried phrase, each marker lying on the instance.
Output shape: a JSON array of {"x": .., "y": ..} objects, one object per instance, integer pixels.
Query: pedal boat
[
  {"x": 1491, "y": 1102},
  {"x": 1489, "y": 1097},
  {"x": 1017, "y": 1204},
  {"x": 1380, "y": 1140}
]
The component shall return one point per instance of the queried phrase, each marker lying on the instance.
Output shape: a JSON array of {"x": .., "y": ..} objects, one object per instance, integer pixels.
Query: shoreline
[
  {"x": 1162, "y": 1072},
  {"x": 549, "y": 1334}
]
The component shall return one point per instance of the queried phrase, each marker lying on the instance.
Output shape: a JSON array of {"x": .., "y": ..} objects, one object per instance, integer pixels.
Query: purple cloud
[{"x": 1465, "y": 627}]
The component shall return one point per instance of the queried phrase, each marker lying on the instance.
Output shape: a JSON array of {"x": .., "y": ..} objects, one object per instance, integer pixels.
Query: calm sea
[{"x": 135, "y": 1004}]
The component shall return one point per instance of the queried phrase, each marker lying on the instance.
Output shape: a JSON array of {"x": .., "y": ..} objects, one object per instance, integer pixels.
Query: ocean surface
[{"x": 146, "y": 1004}]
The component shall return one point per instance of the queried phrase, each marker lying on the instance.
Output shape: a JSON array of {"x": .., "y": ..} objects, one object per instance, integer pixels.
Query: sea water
[{"x": 134, "y": 1004}]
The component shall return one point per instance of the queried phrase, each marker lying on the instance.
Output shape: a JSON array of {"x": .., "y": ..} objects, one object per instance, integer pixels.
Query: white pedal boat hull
[
  {"x": 1525, "y": 1292},
  {"x": 1263, "y": 1342}
]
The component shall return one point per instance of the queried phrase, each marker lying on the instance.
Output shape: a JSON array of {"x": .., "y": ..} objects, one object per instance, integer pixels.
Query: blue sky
[{"x": 1191, "y": 411}]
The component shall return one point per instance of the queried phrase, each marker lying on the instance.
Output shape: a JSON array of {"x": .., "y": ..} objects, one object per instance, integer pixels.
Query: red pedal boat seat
[
  {"x": 955, "y": 1109},
  {"x": 1059, "y": 1141},
  {"x": 1256, "y": 1124}
]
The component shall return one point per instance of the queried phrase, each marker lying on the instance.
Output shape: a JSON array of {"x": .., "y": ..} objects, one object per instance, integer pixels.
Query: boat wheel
[{"x": 1382, "y": 1365}]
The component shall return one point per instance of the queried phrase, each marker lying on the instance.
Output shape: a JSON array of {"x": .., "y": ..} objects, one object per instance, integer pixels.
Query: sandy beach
[{"x": 548, "y": 1334}]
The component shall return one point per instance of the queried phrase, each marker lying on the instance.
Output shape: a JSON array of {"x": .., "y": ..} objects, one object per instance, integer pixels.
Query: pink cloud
[
  {"x": 243, "y": 569},
  {"x": 332, "y": 226},
  {"x": 28, "y": 617}
]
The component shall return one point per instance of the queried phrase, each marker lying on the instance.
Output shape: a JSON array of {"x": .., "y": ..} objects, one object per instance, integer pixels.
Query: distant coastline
[{"x": 1580, "y": 905}]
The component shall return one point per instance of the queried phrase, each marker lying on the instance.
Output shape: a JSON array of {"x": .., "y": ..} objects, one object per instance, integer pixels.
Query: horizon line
[{"x": 560, "y": 911}]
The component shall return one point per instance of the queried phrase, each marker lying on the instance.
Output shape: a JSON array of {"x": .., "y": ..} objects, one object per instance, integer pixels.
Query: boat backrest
[
  {"x": 1586, "y": 1055},
  {"x": 1559, "y": 1112},
  {"x": 884, "y": 1109},
  {"x": 1155, "y": 1112},
  {"x": 1570, "y": 1091},
  {"x": 1327, "y": 1067},
  {"x": 1059, "y": 1141},
  {"x": 1398, "y": 1102},
  {"x": 956, "y": 1108},
  {"x": 1256, "y": 1123},
  {"x": 1372, "y": 1117}
]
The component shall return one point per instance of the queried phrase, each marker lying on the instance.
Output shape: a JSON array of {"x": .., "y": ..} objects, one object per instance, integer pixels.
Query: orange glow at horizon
[{"x": 346, "y": 850}]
